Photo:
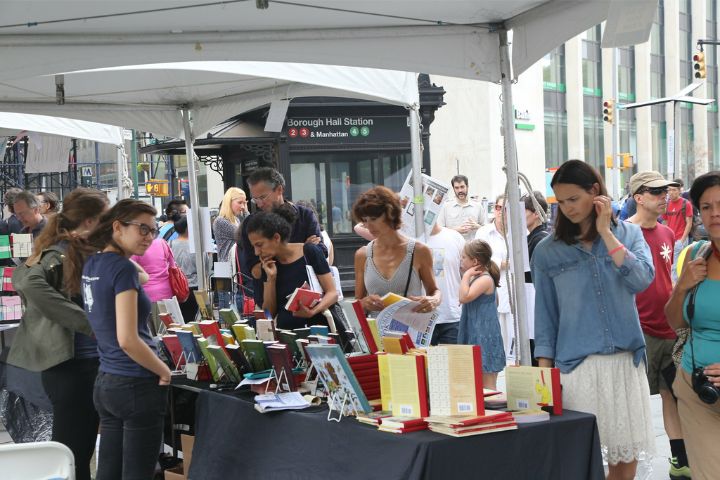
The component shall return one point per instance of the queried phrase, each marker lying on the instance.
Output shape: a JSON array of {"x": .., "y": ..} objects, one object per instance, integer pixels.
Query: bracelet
[{"x": 616, "y": 249}]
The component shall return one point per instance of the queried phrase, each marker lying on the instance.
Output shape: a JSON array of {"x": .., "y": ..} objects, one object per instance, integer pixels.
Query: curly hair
[{"x": 376, "y": 202}]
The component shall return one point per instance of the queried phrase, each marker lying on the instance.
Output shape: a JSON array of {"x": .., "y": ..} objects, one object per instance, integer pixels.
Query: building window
[
  {"x": 626, "y": 74},
  {"x": 554, "y": 70},
  {"x": 591, "y": 64},
  {"x": 593, "y": 133},
  {"x": 556, "y": 141},
  {"x": 659, "y": 146}
]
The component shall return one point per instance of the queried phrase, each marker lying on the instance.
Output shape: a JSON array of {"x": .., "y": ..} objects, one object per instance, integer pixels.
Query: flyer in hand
[
  {"x": 435, "y": 192},
  {"x": 399, "y": 317}
]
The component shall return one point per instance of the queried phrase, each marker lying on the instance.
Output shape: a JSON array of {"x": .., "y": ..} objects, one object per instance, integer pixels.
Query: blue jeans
[
  {"x": 445, "y": 333},
  {"x": 132, "y": 411}
]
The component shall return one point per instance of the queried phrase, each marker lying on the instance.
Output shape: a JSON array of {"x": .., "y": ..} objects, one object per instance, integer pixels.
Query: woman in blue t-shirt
[
  {"x": 284, "y": 267},
  {"x": 131, "y": 389},
  {"x": 54, "y": 337}
]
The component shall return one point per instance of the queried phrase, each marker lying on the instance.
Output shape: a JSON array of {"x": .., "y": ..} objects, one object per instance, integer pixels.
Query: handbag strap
[
  {"x": 410, "y": 270},
  {"x": 237, "y": 265}
]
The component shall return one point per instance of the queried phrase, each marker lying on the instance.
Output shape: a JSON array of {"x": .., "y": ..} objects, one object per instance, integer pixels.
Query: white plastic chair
[{"x": 36, "y": 461}]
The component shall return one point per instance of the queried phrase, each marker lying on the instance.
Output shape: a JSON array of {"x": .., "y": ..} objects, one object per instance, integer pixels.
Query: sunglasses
[
  {"x": 144, "y": 230},
  {"x": 655, "y": 191}
]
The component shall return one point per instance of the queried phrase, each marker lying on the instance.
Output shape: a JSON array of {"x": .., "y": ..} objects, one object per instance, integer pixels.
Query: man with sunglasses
[
  {"x": 679, "y": 217},
  {"x": 267, "y": 188},
  {"x": 650, "y": 192}
]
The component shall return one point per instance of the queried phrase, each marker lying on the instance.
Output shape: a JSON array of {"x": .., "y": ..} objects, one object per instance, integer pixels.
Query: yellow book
[
  {"x": 408, "y": 385},
  {"x": 455, "y": 380},
  {"x": 372, "y": 323},
  {"x": 390, "y": 298},
  {"x": 385, "y": 392},
  {"x": 393, "y": 345},
  {"x": 239, "y": 331},
  {"x": 228, "y": 338},
  {"x": 212, "y": 363},
  {"x": 530, "y": 388},
  {"x": 193, "y": 327}
]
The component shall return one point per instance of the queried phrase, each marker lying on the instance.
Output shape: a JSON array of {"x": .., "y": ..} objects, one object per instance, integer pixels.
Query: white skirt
[{"x": 617, "y": 393}]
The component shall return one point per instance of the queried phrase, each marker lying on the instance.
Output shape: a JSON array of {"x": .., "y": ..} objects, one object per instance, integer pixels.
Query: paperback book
[{"x": 337, "y": 376}]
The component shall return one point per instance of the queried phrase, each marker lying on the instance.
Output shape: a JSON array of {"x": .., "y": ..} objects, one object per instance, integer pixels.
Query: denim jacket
[{"x": 584, "y": 303}]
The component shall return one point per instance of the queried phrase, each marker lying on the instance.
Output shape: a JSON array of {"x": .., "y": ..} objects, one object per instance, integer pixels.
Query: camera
[{"x": 707, "y": 392}]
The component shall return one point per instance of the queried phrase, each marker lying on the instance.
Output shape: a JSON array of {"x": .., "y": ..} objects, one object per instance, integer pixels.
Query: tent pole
[
  {"x": 416, "y": 162},
  {"x": 194, "y": 201},
  {"x": 516, "y": 217},
  {"x": 120, "y": 173}
]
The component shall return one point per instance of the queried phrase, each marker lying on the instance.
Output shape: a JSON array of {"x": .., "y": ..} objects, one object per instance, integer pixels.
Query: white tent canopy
[
  {"x": 461, "y": 38},
  {"x": 20, "y": 124},
  {"x": 450, "y": 37},
  {"x": 148, "y": 97}
]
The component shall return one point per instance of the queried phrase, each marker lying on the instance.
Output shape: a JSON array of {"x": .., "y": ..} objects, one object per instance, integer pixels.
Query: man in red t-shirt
[
  {"x": 679, "y": 217},
  {"x": 650, "y": 191}
]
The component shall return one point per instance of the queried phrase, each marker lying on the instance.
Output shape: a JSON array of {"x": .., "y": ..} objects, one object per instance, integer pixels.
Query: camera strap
[{"x": 690, "y": 310}]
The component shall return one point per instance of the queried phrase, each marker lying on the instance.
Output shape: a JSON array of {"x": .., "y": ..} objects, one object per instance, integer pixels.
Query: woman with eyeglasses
[
  {"x": 54, "y": 337},
  {"x": 586, "y": 276},
  {"x": 131, "y": 389}
]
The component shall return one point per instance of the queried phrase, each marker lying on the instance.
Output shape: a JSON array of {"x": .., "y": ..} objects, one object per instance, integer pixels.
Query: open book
[{"x": 398, "y": 316}]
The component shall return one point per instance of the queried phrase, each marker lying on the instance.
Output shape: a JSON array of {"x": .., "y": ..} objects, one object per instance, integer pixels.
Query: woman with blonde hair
[{"x": 233, "y": 211}]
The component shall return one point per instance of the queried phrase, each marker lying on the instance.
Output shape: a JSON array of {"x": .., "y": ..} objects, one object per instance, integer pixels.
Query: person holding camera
[{"x": 694, "y": 304}]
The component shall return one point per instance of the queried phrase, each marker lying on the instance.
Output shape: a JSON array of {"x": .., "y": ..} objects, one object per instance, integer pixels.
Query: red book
[
  {"x": 210, "y": 330},
  {"x": 362, "y": 320},
  {"x": 281, "y": 359},
  {"x": 423, "y": 388},
  {"x": 402, "y": 422},
  {"x": 173, "y": 345},
  {"x": 302, "y": 296},
  {"x": 362, "y": 360},
  {"x": 402, "y": 430},
  {"x": 166, "y": 319}
]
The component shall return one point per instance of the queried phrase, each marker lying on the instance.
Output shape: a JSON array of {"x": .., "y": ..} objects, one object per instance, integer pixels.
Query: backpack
[
  {"x": 171, "y": 231},
  {"x": 697, "y": 231}
]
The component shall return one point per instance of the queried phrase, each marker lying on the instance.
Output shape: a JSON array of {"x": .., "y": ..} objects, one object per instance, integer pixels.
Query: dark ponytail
[
  {"x": 81, "y": 204},
  {"x": 480, "y": 250}
]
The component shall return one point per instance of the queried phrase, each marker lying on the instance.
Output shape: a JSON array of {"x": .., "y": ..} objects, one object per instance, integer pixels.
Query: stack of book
[
  {"x": 402, "y": 424},
  {"x": 456, "y": 426},
  {"x": 365, "y": 367},
  {"x": 373, "y": 418}
]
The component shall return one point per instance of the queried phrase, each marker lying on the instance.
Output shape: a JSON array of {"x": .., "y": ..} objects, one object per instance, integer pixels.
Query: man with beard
[
  {"x": 462, "y": 214},
  {"x": 650, "y": 192}
]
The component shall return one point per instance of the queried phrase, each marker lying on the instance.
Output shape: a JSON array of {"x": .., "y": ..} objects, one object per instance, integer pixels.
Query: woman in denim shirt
[{"x": 586, "y": 323}]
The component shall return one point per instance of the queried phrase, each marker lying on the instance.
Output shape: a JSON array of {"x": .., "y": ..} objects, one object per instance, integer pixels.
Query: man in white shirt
[
  {"x": 463, "y": 215},
  {"x": 446, "y": 246}
]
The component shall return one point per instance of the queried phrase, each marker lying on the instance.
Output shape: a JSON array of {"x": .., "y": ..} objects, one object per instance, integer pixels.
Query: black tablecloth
[{"x": 235, "y": 441}]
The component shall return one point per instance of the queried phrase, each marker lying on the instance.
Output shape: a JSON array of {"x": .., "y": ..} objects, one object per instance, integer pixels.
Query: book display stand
[
  {"x": 278, "y": 380},
  {"x": 342, "y": 402}
]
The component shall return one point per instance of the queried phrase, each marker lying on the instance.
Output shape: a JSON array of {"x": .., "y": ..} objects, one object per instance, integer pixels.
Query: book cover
[
  {"x": 189, "y": 345},
  {"x": 302, "y": 296},
  {"x": 408, "y": 385},
  {"x": 202, "y": 297},
  {"x": 211, "y": 329},
  {"x": 375, "y": 332},
  {"x": 238, "y": 357},
  {"x": 336, "y": 374},
  {"x": 228, "y": 338},
  {"x": 385, "y": 387},
  {"x": 359, "y": 325},
  {"x": 265, "y": 329},
  {"x": 223, "y": 360},
  {"x": 281, "y": 360},
  {"x": 455, "y": 380},
  {"x": 172, "y": 307},
  {"x": 290, "y": 339},
  {"x": 254, "y": 351},
  {"x": 394, "y": 343},
  {"x": 531, "y": 388},
  {"x": 239, "y": 330},
  {"x": 417, "y": 428},
  {"x": 319, "y": 330},
  {"x": 400, "y": 317},
  {"x": 5, "y": 246},
  {"x": 173, "y": 346},
  {"x": 210, "y": 358},
  {"x": 228, "y": 316},
  {"x": 303, "y": 332}
]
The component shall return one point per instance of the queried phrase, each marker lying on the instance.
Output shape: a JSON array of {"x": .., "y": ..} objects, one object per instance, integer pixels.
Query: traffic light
[
  {"x": 609, "y": 111},
  {"x": 699, "y": 65}
]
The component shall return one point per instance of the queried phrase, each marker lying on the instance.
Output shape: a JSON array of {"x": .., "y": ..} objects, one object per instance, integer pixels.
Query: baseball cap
[{"x": 650, "y": 179}]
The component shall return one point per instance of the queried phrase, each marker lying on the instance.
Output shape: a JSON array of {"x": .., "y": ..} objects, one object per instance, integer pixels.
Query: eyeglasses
[
  {"x": 261, "y": 198},
  {"x": 655, "y": 191},
  {"x": 498, "y": 207},
  {"x": 144, "y": 230}
]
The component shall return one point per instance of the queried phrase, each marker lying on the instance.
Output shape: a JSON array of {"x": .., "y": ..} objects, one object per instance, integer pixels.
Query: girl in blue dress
[{"x": 479, "y": 324}]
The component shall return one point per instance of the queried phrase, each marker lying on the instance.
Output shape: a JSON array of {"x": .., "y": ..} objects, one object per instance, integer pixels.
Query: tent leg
[
  {"x": 416, "y": 162},
  {"x": 516, "y": 216},
  {"x": 120, "y": 174},
  {"x": 194, "y": 201}
]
